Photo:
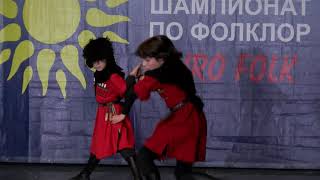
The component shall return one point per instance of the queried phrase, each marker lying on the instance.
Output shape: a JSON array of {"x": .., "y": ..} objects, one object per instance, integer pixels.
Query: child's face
[
  {"x": 99, "y": 65},
  {"x": 151, "y": 63}
]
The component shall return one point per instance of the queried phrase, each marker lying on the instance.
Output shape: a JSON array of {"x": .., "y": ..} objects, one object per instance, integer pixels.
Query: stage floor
[{"x": 104, "y": 172}]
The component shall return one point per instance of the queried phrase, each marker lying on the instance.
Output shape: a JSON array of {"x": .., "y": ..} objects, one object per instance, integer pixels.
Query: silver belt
[{"x": 178, "y": 106}]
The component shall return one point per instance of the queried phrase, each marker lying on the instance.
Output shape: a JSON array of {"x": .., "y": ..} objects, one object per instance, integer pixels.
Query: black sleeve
[
  {"x": 130, "y": 95},
  {"x": 130, "y": 81}
]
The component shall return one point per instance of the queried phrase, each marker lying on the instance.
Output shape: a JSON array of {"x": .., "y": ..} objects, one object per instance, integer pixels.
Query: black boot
[
  {"x": 183, "y": 171},
  {"x": 185, "y": 177},
  {"x": 85, "y": 173},
  {"x": 153, "y": 176},
  {"x": 180, "y": 175},
  {"x": 134, "y": 168},
  {"x": 145, "y": 162}
]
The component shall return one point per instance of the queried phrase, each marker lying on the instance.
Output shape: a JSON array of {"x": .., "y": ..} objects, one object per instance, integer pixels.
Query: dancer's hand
[
  {"x": 117, "y": 118},
  {"x": 141, "y": 77},
  {"x": 107, "y": 117},
  {"x": 136, "y": 71}
]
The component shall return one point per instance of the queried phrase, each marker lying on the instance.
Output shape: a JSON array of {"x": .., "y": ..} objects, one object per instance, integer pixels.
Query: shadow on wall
[{"x": 261, "y": 133}]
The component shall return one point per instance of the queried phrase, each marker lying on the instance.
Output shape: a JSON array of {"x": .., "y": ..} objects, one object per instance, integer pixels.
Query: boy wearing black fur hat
[{"x": 110, "y": 87}]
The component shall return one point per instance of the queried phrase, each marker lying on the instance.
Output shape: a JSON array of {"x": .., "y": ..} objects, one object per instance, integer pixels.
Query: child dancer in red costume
[
  {"x": 110, "y": 87},
  {"x": 181, "y": 135}
]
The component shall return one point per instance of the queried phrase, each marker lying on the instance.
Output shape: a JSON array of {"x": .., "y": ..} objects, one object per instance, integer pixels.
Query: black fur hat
[
  {"x": 101, "y": 49},
  {"x": 98, "y": 49}
]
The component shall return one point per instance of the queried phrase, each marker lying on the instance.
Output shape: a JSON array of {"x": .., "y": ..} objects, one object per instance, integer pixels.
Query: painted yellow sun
[{"x": 51, "y": 22}]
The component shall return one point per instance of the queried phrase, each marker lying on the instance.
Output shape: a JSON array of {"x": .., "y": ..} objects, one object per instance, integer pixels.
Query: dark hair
[
  {"x": 159, "y": 47},
  {"x": 173, "y": 70},
  {"x": 101, "y": 49}
]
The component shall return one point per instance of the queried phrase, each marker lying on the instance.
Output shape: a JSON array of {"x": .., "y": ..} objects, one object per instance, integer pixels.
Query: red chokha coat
[
  {"x": 109, "y": 138},
  {"x": 181, "y": 135}
]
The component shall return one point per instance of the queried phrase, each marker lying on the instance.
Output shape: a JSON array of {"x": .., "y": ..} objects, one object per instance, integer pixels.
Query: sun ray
[
  {"x": 98, "y": 18},
  {"x": 114, "y": 37},
  {"x": 115, "y": 3},
  {"x": 8, "y": 8},
  {"x": 70, "y": 58},
  {"x": 27, "y": 76},
  {"x": 11, "y": 32},
  {"x": 4, "y": 56},
  {"x": 62, "y": 82},
  {"x": 84, "y": 37},
  {"x": 45, "y": 61},
  {"x": 23, "y": 51}
]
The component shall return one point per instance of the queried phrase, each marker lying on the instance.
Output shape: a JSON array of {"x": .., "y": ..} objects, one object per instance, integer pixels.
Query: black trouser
[
  {"x": 126, "y": 153},
  {"x": 94, "y": 161},
  {"x": 145, "y": 161},
  {"x": 130, "y": 156},
  {"x": 87, "y": 170},
  {"x": 183, "y": 171}
]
